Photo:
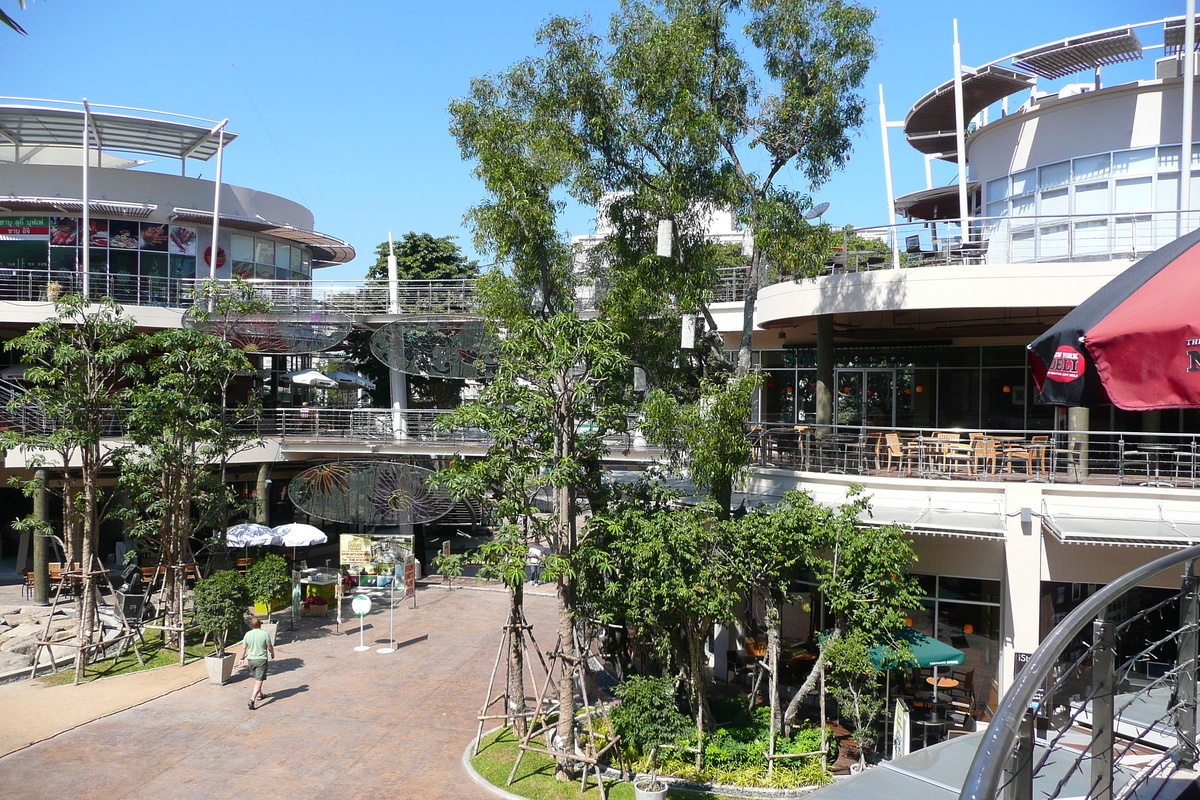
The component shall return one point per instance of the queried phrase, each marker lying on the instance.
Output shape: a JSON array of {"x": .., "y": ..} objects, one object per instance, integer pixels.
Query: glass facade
[{"x": 267, "y": 259}]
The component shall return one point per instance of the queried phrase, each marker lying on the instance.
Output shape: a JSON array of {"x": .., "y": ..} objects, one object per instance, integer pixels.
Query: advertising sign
[
  {"x": 901, "y": 731},
  {"x": 356, "y": 550},
  {"x": 32, "y": 227},
  {"x": 410, "y": 577}
]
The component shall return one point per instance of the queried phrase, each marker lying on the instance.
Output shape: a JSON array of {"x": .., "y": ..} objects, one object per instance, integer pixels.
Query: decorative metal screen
[
  {"x": 291, "y": 326},
  {"x": 368, "y": 493},
  {"x": 437, "y": 347}
]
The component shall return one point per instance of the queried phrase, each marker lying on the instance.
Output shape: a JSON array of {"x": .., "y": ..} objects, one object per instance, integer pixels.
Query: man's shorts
[{"x": 258, "y": 668}]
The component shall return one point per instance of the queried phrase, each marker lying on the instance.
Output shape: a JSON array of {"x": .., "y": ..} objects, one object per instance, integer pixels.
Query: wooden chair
[
  {"x": 893, "y": 449},
  {"x": 954, "y": 455},
  {"x": 27, "y": 585},
  {"x": 985, "y": 455}
]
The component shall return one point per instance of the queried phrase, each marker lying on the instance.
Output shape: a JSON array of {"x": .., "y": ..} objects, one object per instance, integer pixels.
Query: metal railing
[
  {"x": 1084, "y": 718},
  {"x": 1092, "y": 457}
]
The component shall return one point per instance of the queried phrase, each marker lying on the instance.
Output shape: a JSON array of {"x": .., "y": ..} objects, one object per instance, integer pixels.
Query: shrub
[
  {"x": 647, "y": 714},
  {"x": 268, "y": 579},
  {"x": 221, "y": 601}
]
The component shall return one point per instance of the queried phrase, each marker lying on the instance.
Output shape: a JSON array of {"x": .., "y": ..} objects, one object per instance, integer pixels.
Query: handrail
[{"x": 987, "y": 767}]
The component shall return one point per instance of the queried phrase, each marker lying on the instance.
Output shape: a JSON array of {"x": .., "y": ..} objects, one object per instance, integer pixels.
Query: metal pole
[
  {"x": 1189, "y": 89},
  {"x": 1189, "y": 647},
  {"x": 85, "y": 234},
  {"x": 1019, "y": 772},
  {"x": 1103, "y": 738},
  {"x": 960, "y": 135},
  {"x": 41, "y": 541},
  {"x": 216, "y": 225},
  {"x": 392, "y": 279},
  {"x": 887, "y": 176}
]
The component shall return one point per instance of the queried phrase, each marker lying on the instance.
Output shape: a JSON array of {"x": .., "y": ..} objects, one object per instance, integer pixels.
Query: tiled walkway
[{"x": 337, "y": 723}]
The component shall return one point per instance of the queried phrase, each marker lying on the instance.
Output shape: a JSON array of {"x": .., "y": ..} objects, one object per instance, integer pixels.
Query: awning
[
  {"x": 69, "y": 205},
  {"x": 970, "y": 517},
  {"x": 351, "y": 380},
  {"x": 324, "y": 248},
  {"x": 1148, "y": 524},
  {"x": 926, "y": 651},
  {"x": 33, "y": 126}
]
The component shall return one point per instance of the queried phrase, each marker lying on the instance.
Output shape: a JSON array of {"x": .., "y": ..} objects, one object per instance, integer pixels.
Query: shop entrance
[{"x": 873, "y": 397}]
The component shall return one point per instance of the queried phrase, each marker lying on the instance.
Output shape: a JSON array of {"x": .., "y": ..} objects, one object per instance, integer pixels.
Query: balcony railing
[
  {"x": 1101, "y": 709},
  {"x": 1092, "y": 457}
]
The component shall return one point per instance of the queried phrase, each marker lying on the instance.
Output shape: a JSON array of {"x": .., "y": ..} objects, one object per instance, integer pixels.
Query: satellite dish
[{"x": 817, "y": 211}]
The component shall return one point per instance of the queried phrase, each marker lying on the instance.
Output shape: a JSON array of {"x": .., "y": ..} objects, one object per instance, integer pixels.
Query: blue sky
[{"x": 342, "y": 106}]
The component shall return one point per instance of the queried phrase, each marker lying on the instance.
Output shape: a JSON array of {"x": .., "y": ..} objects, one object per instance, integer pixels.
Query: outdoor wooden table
[
  {"x": 942, "y": 683},
  {"x": 1153, "y": 453}
]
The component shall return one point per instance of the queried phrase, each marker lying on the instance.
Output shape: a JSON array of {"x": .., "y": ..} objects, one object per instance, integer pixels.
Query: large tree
[
  {"x": 78, "y": 388},
  {"x": 690, "y": 105},
  {"x": 184, "y": 434}
]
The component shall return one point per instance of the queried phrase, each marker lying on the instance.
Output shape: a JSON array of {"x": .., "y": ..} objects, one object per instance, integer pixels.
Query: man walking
[{"x": 256, "y": 645}]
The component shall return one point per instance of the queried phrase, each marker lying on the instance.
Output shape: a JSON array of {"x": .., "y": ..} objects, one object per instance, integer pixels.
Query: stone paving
[{"x": 336, "y": 724}]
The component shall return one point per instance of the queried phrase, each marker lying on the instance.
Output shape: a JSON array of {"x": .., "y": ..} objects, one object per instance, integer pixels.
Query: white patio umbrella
[
  {"x": 297, "y": 534},
  {"x": 351, "y": 380},
  {"x": 250, "y": 534},
  {"x": 310, "y": 377}
]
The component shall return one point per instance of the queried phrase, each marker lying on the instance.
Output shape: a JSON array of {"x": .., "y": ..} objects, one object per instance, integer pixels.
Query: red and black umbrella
[{"x": 1134, "y": 343}]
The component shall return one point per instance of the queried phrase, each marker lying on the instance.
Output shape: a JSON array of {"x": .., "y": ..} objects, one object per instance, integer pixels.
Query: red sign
[
  {"x": 24, "y": 226},
  {"x": 1066, "y": 366},
  {"x": 220, "y": 256},
  {"x": 410, "y": 577}
]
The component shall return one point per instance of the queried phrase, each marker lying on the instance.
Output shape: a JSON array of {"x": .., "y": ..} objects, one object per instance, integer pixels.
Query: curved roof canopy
[
  {"x": 324, "y": 248},
  {"x": 37, "y": 126},
  {"x": 941, "y": 202},
  {"x": 930, "y": 123}
]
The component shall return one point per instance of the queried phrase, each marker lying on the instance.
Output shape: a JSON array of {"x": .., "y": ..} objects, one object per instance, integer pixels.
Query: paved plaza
[{"x": 336, "y": 724}]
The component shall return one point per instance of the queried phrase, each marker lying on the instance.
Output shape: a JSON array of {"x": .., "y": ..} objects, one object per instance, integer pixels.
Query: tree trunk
[
  {"x": 516, "y": 659},
  {"x": 753, "y": 279},
  {"x": 699, "y": 692},
  {"x": 773, "y": 647},
  {"x": 565, "y": 770},
  {"x": 789, "y": 716}
]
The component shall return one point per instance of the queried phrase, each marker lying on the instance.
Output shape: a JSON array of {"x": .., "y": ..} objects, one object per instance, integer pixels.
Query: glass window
[
  {"x": 1023, "y": 182},
  {"x": 183, "y": 266},
  {"x": 1168, "y": 158},
  {"x": 1166, "y": 193},
  {"x": 297, "y": 259},
  {"x": 997, "y": 210},
  {"x": 307, "y": 263},
  {"x": 1091, "y": 198},
  {"x": 264, "y": 252},
  {"x": 243, "y": 248},
  {"x": 1055, "y": 203},
  {"x": 283, "y": 256},
  {"x": 1091, "y": 167},
  {"x": 1091, "y": 237},
  {"x": 1053, "y": 241},
  {"x": 1055, "y": 175},
  {"x": 1023, "y": 206},
  {"x": 997, "y": 189},
  {"x": 1134, "y": 162},
  {"x": 26, "y": 255},
  {"x": 154, "y": 265},
  {"x": 1134, "y": 194}
]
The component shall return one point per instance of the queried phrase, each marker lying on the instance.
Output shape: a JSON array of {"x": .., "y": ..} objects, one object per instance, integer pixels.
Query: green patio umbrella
[{"x": 926, "y": 652}]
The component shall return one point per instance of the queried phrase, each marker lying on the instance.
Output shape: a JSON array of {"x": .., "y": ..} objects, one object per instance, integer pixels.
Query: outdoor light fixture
[
  {"x": 920, "y": 388},
  {"x": 1007, "y": 389},
  {"x": 782, "y": 335},
  {"x": 664, "y": 238}
]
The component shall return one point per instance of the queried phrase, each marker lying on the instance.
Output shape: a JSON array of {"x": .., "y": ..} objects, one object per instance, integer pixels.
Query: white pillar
[
  {"x": 84, "y": 233},
  {"x": 398, "y": 381},
  {"x": 960, "y": 135},
  {"x": 894, "y": 233},
  {"x": 1189, "y": 90},
  {"x": 1022, "y": 577}
]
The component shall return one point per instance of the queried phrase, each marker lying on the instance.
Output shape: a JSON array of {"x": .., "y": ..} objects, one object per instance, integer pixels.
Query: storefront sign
[{"x": 25, "y": 226}]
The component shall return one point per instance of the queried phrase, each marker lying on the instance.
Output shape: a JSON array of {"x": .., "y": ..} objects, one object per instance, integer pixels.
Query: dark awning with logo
[{"x": 1135, "y": 342}]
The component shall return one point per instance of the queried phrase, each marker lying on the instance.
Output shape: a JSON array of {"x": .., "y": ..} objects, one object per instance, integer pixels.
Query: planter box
[
  {"x": 220, "y": 668},
  {"x": 314, "y": 610}
]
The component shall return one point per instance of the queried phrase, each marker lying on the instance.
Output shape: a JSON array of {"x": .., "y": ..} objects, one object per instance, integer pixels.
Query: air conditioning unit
[{"x": 1170, "y": 67}]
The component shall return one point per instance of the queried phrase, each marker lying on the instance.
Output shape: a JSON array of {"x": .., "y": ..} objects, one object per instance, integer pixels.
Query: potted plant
[
  {"x": 221, "y": 601},
  {"x": 268, "y": 580},
  {"x": 650, "y": 788},
  {"x": 53, "y": 291}
]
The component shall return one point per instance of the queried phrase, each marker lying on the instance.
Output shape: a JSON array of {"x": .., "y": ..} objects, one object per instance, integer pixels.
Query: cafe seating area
[{"x": 1108, "y": 458}]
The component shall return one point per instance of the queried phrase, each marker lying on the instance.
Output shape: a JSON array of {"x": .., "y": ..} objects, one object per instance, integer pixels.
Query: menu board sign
[{"x": 25, "y": 226}]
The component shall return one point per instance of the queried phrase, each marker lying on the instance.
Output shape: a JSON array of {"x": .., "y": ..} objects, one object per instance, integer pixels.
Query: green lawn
[
  {"x": 153, "y": 652},
  {"x": 535, "y": 778}
]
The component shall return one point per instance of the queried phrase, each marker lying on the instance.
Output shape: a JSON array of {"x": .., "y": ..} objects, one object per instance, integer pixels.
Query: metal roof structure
[
  {"x": 1173, "y": 35},
  {"x": 930, "y": 123},
  {"x": 1081, "y": 53},
  {"x": 74, "y": 205},
  {"x": 46, "y": 126}
]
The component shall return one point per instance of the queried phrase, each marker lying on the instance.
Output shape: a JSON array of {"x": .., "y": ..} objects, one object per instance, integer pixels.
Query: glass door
[{"x": 868, "y": 397}]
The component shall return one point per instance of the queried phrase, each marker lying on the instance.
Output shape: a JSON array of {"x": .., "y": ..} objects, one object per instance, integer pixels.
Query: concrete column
[
  {"x": 1079, "y": 422},
  {"x": 1023, "y": 577},
  {"x": 262, "y": 496},
  {"x": 41, "y": 542},
  {"x": 825, "y": 387}
]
